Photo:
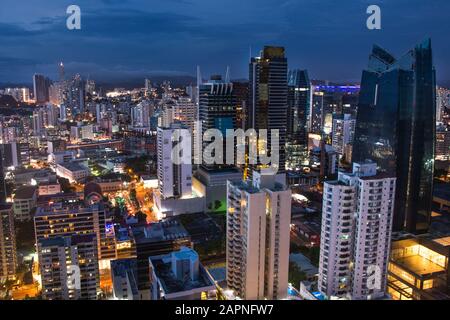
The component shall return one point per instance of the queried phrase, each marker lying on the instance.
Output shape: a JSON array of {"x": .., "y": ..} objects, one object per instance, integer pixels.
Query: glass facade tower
[
  {"x": 395, "y": 127},
  {"x": 268, "y": 92}
]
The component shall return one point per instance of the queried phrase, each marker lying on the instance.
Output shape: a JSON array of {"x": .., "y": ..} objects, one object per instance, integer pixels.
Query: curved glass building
[{"x": 395, "y": 127}]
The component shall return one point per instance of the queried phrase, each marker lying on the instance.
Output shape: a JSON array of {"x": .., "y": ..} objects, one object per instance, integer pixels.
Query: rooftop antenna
[
  {"x": 61, "y": 71},
  {"x": 199, "y": 77},
  {"x": 227, "y": 75}
]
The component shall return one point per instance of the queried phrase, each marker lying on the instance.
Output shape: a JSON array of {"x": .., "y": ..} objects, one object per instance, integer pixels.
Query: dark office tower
[
  {"x": 268, "y": 91},
  {"x": 41, "y": 85},
  {"x": 217, "y": 110},
  {"x": 75, "y": 96},
  {"x": 240, "y": 90},
  {"x": 316, "y": 117},
  {"x": 395, "y": 127},
  {"x": 298, "y": 105},
  {"x": 2, "y": 180}
]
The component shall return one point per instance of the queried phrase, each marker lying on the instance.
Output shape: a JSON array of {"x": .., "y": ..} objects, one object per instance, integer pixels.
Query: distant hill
[
  {"x": 15, "y": 85},
  {"x": 7, "y": 101},
  {"x": 131, "y": 83},
  {"x": 444, "y": 83}
]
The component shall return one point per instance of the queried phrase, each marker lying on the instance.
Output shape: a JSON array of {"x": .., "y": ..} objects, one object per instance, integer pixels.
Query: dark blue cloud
[{"x": 135, "y": 37}]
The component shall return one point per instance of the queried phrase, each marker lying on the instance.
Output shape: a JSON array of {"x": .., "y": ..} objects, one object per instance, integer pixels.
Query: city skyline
[
  {"x": 240, "y": 150},
  {"x": 129, "y": 40}
]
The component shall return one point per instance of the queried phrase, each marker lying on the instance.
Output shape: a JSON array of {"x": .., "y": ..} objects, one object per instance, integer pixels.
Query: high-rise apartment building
[
  {"x": 69, "y": 267},
  {"x": 356, "y": 231},
  {"x": 185, "y": 111},
  {"x": 8, "y": 254},
  {"x": 343, "y": 131},
  {"x": 396, "y": 128},
  {"x": 38, "y": 121},
  {"x": 2, "y": 179},
  {"x": 258, "y": 229},
  {"x": 174, "y": 174},
  {"x": 16, "y": 154},
  {"x": 61, "y": 220},
  {"x": 56, "y": 93},
  {"x": 140, "y": 115}
]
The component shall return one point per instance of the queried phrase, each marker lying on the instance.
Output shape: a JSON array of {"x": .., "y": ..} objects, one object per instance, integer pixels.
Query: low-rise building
[
  {"x": 156, "y": 239},
  {"x": 73, "y": 171},
  {"x": 24, "y": 200},
  {"x": 48, "y": 188},
  {"x": 418, "y": 269},
  {"x": 179, "y": 275},
  {"x": 124, "y": 279}
]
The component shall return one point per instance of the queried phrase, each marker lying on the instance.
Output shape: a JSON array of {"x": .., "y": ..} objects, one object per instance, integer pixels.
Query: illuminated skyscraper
[
  {"x": 343, "y": 131},
  {"x": 8, "y": 255},
  {"x": 268, "y": 92},
  {"x": 298, "y": 102},
  {"x": 396, "y": 128},
  {"x": 217, "y": 110},
  {"x": 75, "y": 98},
  {"x": 2, "y": 179},
  {"x": 174, "y": 175}
]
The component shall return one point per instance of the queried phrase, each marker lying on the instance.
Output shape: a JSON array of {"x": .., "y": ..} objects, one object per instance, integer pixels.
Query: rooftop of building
[
  {"x": 66, "y": 207},
  {"x": 304, "y": 264},
  {"x": 73, "y": 166},
  {"x": 126, "y": 268},
  {"x": 219, "y": 274},
  {"x": 26, "y": 192},
  {"x": 249, "y": 187},
  {"x": 57, "y": 197},
  {"x": 48, "y": 183},
  {"x": 161, "y": 231},
  {"x": 378, "y": 176},
  {"x": 122, "y": 234},
  {"x": 338, "y": 183},
  {"x": 66, "y": 241},
  {"x": 162, "y": 266},
  {"x": 422, "y": 255},
  {"x": 419, "y": 265},
  {"x": 444, "y": 241},
  {"x": 62, "y": 153}
]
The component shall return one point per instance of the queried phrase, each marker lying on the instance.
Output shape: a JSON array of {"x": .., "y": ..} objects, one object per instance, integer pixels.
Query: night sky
[{"x": 123, "y": 39}]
